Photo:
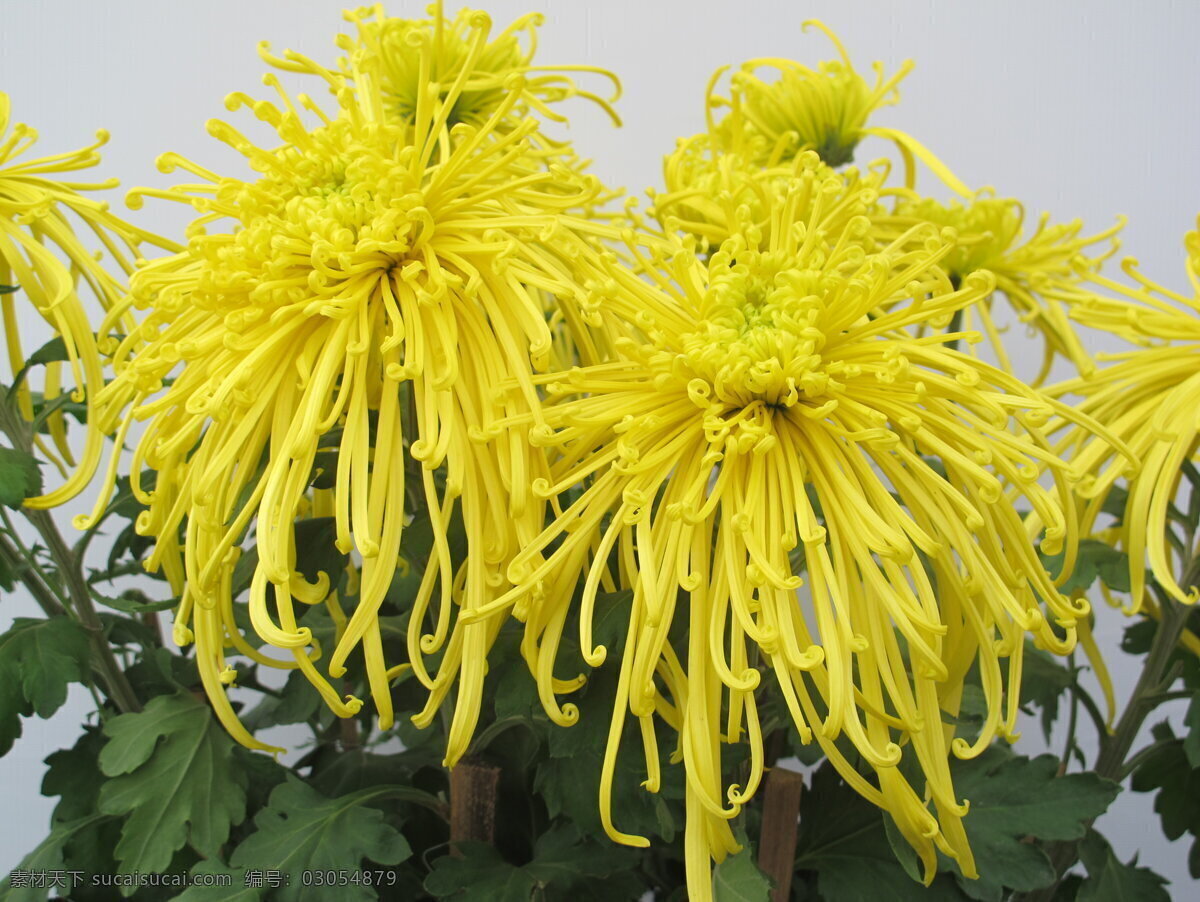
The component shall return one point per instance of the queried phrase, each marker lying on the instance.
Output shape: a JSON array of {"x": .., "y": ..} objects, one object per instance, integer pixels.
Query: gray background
[{"x": 1085, "y": 110}]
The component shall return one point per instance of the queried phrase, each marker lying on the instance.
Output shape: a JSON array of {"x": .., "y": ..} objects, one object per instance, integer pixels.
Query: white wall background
[{"x": 1082, "y": 109}]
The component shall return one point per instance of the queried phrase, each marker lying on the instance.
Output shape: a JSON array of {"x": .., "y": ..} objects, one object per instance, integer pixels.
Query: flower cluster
[
  {"x": 369, "y": 305},
  {"x": 1148, "y": 397},
  {"x": 43, "y": 258},
  {"x": 755, "y": 419},
  {"x": 761, "y": 466}
]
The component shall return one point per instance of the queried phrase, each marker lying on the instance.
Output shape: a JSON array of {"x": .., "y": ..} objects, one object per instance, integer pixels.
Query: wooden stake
[
  {"x": 474, "y": 788},
  {"x": 781, "y": 816}
]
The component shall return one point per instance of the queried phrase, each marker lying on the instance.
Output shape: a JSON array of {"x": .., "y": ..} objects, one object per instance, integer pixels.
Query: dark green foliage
[
  {"x": 38, "y": 660},
  {"x": 20, "y": 477},
  {"x": 171, "y": 771},
  {"x": 1111, "y": 880}
]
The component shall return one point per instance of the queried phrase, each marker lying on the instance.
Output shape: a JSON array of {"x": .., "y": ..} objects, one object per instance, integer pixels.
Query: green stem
[
  {"x": 45, "y": 597},
  {"x": 955, "y": 325},
  {"x": 1072, "y": 721},
  {"x": 119, "y": 688},
  {"x": 120, "y": 692},
  {"x": 1114, "y": 748},
  {"x": 30, "y": 559}
]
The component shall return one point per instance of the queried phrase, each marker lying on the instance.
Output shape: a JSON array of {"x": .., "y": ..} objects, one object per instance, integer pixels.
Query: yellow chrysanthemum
[
  {"x": 376, "y": 269},
  {"x": 712, "y": 193},
  {"x": 779, "y": 418},
  {"x": 42, "y": 257},
  {"x": 1038, "y": 275},
  {"x": 479, "y": 77},
  {"x": 823, "y": 109},
  {"x": 1149, "y": 398}
]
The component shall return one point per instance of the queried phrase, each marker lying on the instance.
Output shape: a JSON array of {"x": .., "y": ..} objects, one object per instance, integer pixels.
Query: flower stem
[
  {"x": 119, "y": 689},
  {"x": 45, "y": 597},
  {"x": 1146, "y": 695},
  {"x": 70, "y": 573}
]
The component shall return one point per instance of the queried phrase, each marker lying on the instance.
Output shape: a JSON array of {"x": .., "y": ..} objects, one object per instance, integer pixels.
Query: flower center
[
  {"x": 987, "y": 229},
  {"x": 760, "y": 339},
  {"x": 333, "y": 211}
]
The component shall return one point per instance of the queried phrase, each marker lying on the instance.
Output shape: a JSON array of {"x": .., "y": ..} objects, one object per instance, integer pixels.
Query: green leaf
[
  {"x": 844, "y": 841},
  {"x": 296, "y": 703},
  {"x": 20, "y": 477},
  {"x": 300, "y": 829},
  {"x": 171, "y": 770},
  {"x": 74, "y": 775},
  {"x": 1111, "y": 881},
  {"x": 563, "y": 859},
  {"x": 1094, "y": 559},
  {"x": 738, "y": 879},
  {"x": 53, "y": 351},
  {"x": 1191, "y": 742},
  {"x": 238, "y": 889},
  {"x": 1043, "y": 681},
  {"x": 480, "y": 875},
  {"x": 569, "y": 781},
  {"x": 1115, "y": 501},
  {"x": 1167, "y": 769},
  {"x": 1013, "y": 798},
  {"x": 316, "y": 552},
  {"x": 38, "y": 660},
  {"x": 50, "y": 855},
  {"x": 135, "y": 601},
  {"x": 44, "y": 656}
]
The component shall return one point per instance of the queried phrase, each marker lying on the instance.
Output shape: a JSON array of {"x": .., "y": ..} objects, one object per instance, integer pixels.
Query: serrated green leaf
[
  {"x": 1167, "y": 769},
  {"x": 74, "y": 776},
  {"x": 296, "y": 703},
  {"x": 171, "y": 770},
  {"x": 236, "y": 891},
  {"x": 563, "y": 857},
  {"x": 1109, "y": 880},
  {"x": 843, "y": 840},
  {"x": 44, "y": 657},
  {"x": 1043, "y": 682},
  {"x": 300, "y": 829},
  {"x": 13, "y": 707},
  {"x": 48, "y": 856},
  {"x": 569, "y": 781},
  {"x": 20, "y": 477},
  {"x": 738, "y": 879},
  {"x": 39, "y": 659},
  {"x": 1191, "y": 742},
  {"x": 1013, "y": 798},
  {"x": 480, "y": 875},
  {"x": 1093, "y": 559}
]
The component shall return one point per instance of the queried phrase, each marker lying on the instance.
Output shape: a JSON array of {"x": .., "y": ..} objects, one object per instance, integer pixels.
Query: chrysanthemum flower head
[
  {"x": 712, "y": 193},
  {"x": 375, "y": 295},
  {"x": 1148, "y": 397},
  {"x": 823, "y": 109},
  {"x": 1038, "y": 274},
  {"x": 762, "y": 461},
  {"x": 412, "y": 57},
  {"x": 43, "y": 259}
]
